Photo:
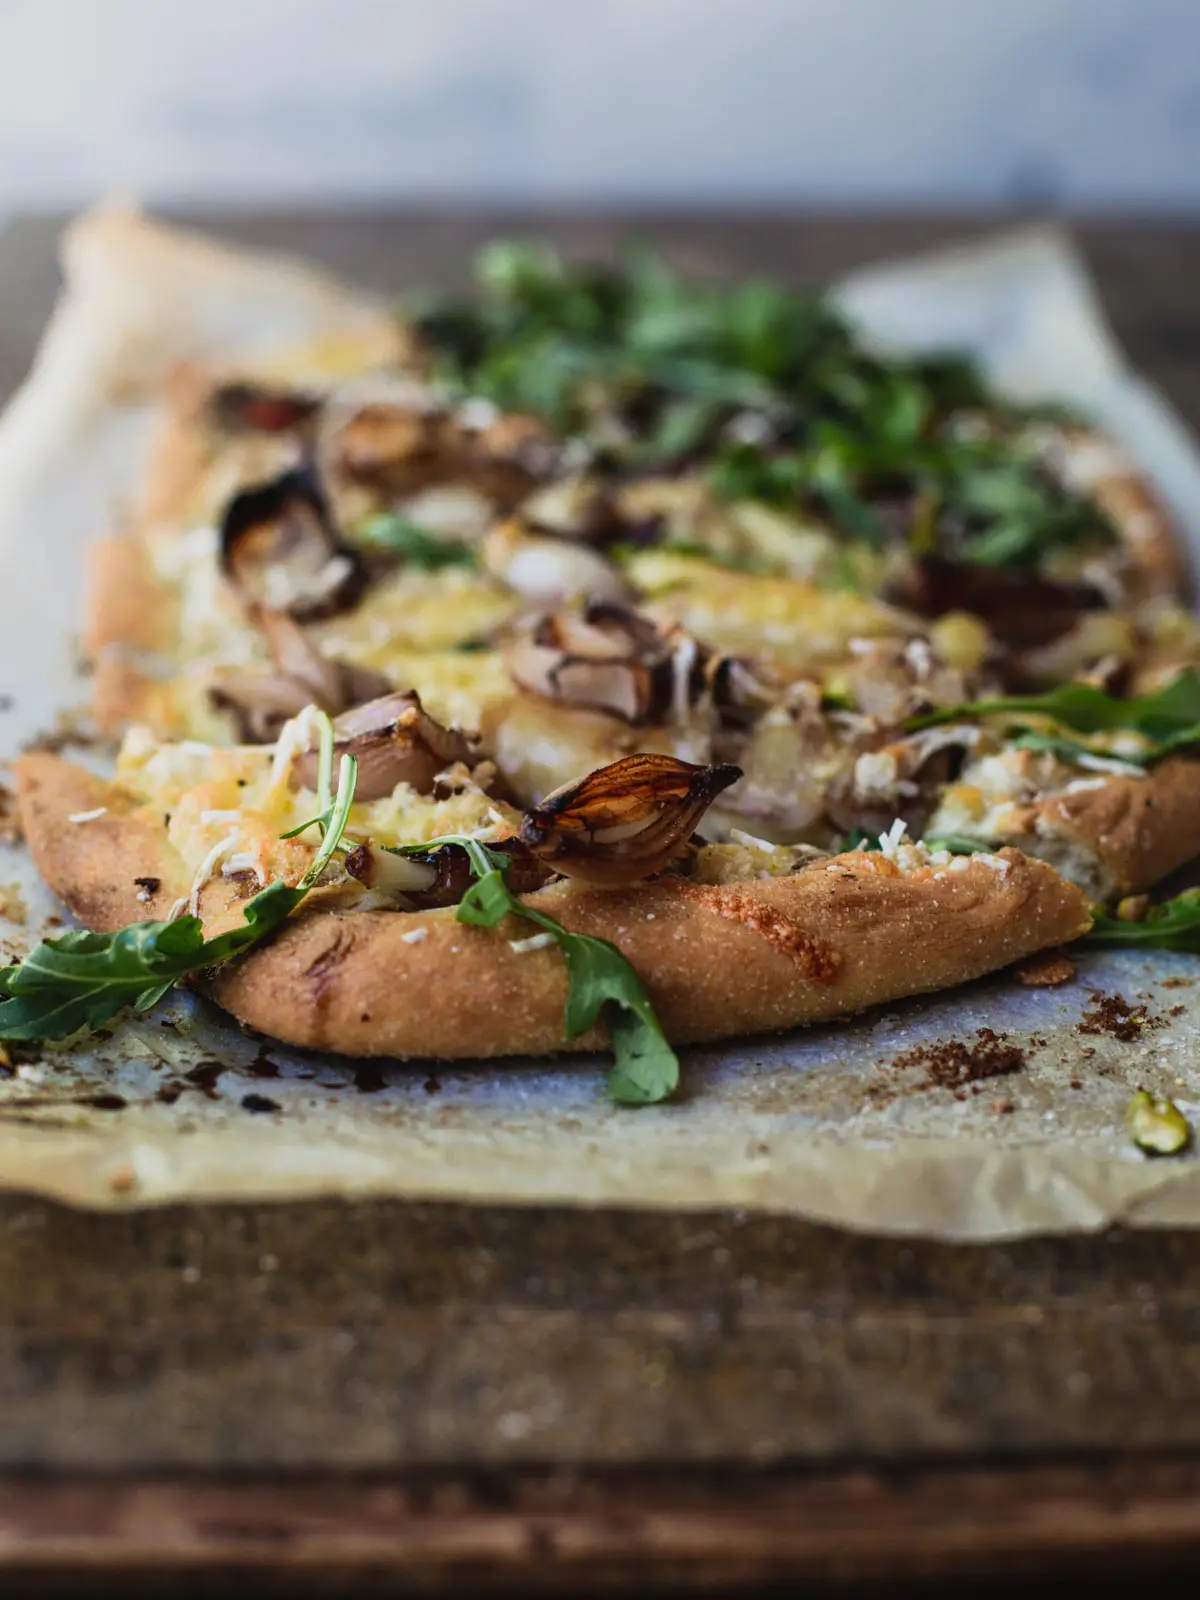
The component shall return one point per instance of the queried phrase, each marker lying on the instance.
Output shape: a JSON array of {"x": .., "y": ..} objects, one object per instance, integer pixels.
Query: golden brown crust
[
  {"x": 181, "y": 451},
  {"x": 1141, "y": 828},
  {"x": 860, "y": 933}
]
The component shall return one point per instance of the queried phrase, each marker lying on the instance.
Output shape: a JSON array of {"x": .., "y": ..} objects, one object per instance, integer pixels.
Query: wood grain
[{"x": 572, "y": 1533}]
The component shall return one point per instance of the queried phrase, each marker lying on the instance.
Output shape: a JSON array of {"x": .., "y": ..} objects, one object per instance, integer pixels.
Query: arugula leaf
[
  {"x": 420, "y": 549},
  {"x": 958, "y": 844},
  {"x": 82, "y": 980},
  {"x": 601, "y": 984},
  {"x": 1173, "y": 925},
  {"x": 1169, "y": 717},
  {"x": 856, "y": 436}
]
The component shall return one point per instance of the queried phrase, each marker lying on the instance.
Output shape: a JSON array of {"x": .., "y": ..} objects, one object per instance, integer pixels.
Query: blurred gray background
[{"x": 1080, "y": 104}]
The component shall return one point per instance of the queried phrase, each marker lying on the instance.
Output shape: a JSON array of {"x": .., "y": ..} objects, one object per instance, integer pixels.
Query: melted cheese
[
  {"x": 235, "y": 799},
  {"x": 742, "y": 613}
]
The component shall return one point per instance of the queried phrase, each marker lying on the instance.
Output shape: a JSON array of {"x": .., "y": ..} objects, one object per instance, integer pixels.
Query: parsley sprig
[
  {"x": 600, "y": 981},
  {"x": 82, "y": 980}
]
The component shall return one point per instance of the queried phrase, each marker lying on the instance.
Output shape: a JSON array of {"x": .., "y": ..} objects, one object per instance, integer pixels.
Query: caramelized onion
[
  {"x": 394, "y": 741},
  {"x": 625, "y": 821},
  {"x": 280, "y": 549}
]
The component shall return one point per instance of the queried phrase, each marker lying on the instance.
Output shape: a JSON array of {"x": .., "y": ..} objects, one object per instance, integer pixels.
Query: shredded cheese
[
  {"x": 206, "y": 869},
  {"x": 891, "y": 841},
  {"x": 88, "y": 816}
]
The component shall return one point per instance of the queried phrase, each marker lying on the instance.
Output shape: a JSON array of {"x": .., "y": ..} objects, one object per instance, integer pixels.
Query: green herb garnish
[
  {"x": 652, "y": 369},
  {"x": 600, "y": 981},
  {"x": 401, "y": 537},
  {"x": 1169, "y": 717},
  {"x": 82, "y": 980},
  {"x": 1172, "y": 925},
  {"x": 958, "y": 844}
]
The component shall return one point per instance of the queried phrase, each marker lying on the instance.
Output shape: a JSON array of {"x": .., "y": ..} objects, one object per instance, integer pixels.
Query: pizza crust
[
  {"x": 1099, "y": 467},
  {"x": 1124, "y": 834},
  {"x": 766, "y": 955}
]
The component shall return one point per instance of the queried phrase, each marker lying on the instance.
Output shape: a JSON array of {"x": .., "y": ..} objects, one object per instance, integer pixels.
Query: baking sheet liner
[{"x": 830, "y": 1122}]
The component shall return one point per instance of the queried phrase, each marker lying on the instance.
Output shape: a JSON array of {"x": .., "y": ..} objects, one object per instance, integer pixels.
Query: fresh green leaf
[
  {"x": 958, "y": 844},
  {"x": 402, "y": 537},
  {"x": 82, "y": 980},
  {"x": 1169, "y": 717},
  {"x": 601, "y": 984},
  {"x": 1172, "y": 925}
]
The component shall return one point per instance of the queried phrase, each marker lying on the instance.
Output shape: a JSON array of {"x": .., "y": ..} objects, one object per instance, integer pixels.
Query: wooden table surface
[{"x": 354, "y": 1398}]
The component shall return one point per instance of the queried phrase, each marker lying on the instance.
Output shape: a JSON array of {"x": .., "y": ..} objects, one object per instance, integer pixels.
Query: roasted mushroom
[
  {"x": 547, "y": 569},
  {"x": 625, "y": 821},
  {"x": 263, "y": 701},
  {"x": 399, "y": 448},
  {"x": 281, "y": 550},
  {"x": 395, "y": 741},
  {"x": 610, "y": 658},
  {"x": 250, "y": 408}
]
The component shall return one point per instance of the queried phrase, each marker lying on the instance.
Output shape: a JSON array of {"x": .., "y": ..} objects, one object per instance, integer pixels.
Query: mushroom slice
[
  {"x": 548, "y": 569},
  {"x": 259, "y": 702},
  {"x": 394, "y": 741},
  {"x": 251, "y": 408},
  {"x": 263, "y": 701},
  {"x": 506, "y": 457},
  {"x": 280, "y": 549},
  {"x": 625, "y": 821},
  {"x": 334, "y": 685},
  {"x": 610, "y": 658},
  {"x": 399, "y": 449},
  {"x": 605, "y": 659}
]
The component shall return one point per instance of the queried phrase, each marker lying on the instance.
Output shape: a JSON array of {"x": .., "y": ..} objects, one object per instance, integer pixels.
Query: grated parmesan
[
  {"x": 891, "y": 841},
  {"x": 88, "y": 816},
  {"x": 538, "y": 941},
  {"x": 415, "y": 935}
]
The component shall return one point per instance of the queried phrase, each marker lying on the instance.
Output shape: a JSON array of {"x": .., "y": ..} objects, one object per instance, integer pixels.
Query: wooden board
[{"x": 653, "y": 1362}]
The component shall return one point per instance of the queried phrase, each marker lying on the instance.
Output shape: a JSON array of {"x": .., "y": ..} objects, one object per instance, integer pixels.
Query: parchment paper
[{"x": 182, "y": 1105}]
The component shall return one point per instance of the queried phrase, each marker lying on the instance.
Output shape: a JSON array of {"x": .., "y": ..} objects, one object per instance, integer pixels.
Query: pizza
[{"x": 599, "y": 659}]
